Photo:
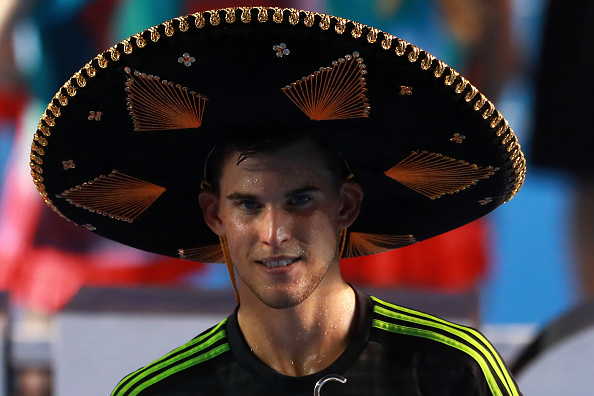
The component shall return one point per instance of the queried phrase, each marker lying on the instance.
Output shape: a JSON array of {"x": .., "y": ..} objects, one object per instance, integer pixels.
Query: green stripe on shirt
[
  {"x": 193, "y": 347},
  {"x": 491, "y": 357}
]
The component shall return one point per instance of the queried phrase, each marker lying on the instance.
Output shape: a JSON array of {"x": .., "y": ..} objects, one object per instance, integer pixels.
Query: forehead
[{"x": 296, "y": 162}]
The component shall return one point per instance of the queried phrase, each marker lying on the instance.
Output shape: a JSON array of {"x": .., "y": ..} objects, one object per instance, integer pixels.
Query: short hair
[{"x": 268, "y": 143}]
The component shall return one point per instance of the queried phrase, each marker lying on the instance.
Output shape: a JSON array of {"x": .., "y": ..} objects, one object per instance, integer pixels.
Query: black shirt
[{"x": 394, "y": 351}]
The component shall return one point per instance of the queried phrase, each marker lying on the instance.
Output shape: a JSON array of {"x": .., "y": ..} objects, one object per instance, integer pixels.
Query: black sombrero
[{"x": 121, "y": 147}]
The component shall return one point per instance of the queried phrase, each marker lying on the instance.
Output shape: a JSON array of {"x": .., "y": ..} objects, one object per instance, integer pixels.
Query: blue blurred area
[
  {"x": 532, "y": 276},
  {"x": 530, "y": 281},
  {"x": 146, "y": 13},
  {"x": 6, "y": 137}
]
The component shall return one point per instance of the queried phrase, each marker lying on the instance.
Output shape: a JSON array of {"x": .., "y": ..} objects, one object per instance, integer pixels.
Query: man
[
  {"x": 299, "y": 170},
  {"x": 281, "y": 213}
]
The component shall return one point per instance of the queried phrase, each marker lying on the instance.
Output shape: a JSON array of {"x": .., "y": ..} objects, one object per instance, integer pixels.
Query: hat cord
[{"x": 343, "y": 238}]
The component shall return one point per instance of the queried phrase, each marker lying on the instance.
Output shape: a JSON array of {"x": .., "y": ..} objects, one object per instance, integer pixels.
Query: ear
[
  {"x": 351, "y": 195},
  {"x": 209, "y": 202}
]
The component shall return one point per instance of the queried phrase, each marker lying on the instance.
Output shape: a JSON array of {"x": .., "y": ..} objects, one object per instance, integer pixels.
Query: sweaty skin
[{"x": 282, "y": 213}]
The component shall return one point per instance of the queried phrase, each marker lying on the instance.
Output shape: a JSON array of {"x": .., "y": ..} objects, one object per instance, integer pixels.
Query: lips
[{"x": 278, "y": 263}]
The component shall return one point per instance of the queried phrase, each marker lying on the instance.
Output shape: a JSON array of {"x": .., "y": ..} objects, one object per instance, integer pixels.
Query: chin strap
[
  {"x": 343, "y": 238},
  {"x": 225, "y": 249}
]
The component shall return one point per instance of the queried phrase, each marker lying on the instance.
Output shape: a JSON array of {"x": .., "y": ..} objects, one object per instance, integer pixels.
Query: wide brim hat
[{"x": 121, "y": 148}]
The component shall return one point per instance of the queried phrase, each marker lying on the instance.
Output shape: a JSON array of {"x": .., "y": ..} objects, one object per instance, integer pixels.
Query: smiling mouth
[{"x": 280, "y": 263}]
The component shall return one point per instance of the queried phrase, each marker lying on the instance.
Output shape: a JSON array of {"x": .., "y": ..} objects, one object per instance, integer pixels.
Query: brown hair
[{"x": 247, "y": 147}]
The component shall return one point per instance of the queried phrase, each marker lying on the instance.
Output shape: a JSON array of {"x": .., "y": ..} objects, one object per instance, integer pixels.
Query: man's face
[{"x": 282, "y": 213}]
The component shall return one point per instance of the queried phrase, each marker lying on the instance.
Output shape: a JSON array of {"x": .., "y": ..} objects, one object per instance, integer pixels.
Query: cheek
[
  {"x": 316, "y": 228},
  {"x": 236, "y": 226},
  {"x": 238, "y": 239}
]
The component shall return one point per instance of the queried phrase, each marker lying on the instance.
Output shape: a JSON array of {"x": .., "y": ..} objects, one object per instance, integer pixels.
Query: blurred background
[{"x": 80, "y": 311}]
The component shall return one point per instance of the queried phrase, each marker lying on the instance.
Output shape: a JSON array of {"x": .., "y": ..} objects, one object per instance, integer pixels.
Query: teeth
[{"x": 281, "y": 263}]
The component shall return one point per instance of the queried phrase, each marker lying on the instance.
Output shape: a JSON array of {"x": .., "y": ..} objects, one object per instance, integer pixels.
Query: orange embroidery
[
  {"x": 157, "y": 105},
  {"x": 434, "y": 175},
  {"x": 205, "y": 254},
  {"x": 362, "y": 244},
  {"x": 332, "y": 93},
  {"x": 116, "y": 195}
]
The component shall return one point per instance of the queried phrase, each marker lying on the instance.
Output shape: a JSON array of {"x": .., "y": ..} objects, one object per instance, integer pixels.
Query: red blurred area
[{"x": 453, "y": 262}]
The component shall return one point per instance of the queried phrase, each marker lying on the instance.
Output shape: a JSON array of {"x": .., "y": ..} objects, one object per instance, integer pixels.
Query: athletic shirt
[{"x": 394, "y": 351}]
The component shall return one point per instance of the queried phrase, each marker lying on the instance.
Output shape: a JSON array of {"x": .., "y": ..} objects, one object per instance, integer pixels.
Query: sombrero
[{"x": 121, "y": 147}]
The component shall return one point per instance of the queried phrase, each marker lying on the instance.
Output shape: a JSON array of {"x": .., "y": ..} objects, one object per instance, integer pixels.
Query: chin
[{"x": 282, "y": 300}]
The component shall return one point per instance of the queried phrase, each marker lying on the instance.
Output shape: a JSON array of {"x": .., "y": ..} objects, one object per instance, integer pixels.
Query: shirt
[{"x": 394, "y": 351}]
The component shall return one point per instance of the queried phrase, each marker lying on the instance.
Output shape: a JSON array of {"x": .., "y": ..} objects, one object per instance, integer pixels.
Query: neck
[{"x": 303, "y": 339}]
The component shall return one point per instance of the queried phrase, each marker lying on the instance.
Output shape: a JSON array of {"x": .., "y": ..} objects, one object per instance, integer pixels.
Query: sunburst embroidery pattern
[
  {"x": 205, "y": 254},
  {"x": 434, "y": 175},
  {"x": 332, "y": 93},
  {"x": 362, "y": 244},
  {"x": 116, "y": 195},
  {"x": 157, "y": 105}
]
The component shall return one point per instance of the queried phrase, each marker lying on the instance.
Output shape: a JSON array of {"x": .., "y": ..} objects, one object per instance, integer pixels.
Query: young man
[
  {"x": 281, "y": 213},
  {"x": 299, "y": 170}
]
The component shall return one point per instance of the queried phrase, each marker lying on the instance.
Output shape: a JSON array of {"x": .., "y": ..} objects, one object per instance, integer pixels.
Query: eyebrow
[
  {"x": 237, "y": 196},
  {"x": 240, "y": 196},
  {"x": 302, "y": 190}
]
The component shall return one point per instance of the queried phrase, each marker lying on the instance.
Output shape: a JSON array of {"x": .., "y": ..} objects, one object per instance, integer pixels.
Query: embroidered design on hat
[
  {"x": 186, "y": 59},
  {"x": 333, "y": 93},
  {"x": 457, "y": 138},
  {"x": 157, "y": 105},
  {"x": 281, "y": 49},
  {"x": 68, "y": 164},
  {"x": 94, "y": 115},
  {"x": 405, "y": 90},
  {"x": 363, "y": 244},
  {"x": 117, "y": 195},
  {"x": 434, "y": 175},
  {"x": 204, "y": 254},
  {"x": 486, "y": 201}
]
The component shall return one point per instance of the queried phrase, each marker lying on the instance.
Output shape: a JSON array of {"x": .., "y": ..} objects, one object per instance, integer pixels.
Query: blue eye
[
  {"x": 249, "y": 205},
  {"x": 300, "y": 200}
]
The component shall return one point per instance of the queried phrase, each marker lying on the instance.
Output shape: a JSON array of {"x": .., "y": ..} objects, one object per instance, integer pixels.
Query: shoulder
[
  {"x": 200, "y": 355},
  {"x": 391, "y": 321}
]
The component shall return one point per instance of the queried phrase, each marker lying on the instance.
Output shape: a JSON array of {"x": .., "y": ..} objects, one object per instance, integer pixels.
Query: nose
[{"x": 275, "y": 227}]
